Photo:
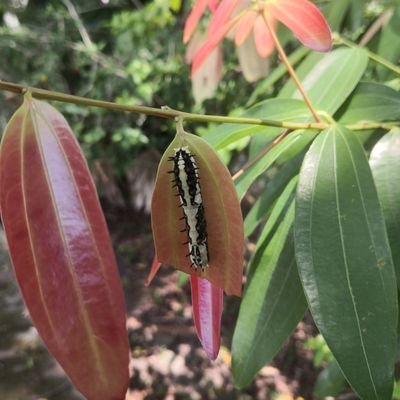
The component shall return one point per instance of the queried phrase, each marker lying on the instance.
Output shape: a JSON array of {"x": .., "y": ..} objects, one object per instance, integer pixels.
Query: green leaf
[
  {"x": 272, "y": 306},
  {"x": 273, "y": 109},
  {"x": 272, "y": 190},
  {"x": 345, "y": 262},
  {"x": 389, "y": 44},
  {"x": 371, "y": 102},
  {"x": 330, "y": 381},
  {"x": 294, "y": 143},
  {"x": 277, "y": 214},
  {"x": 385, "y": 165},
  {"x": 289, "y": 88},
  {"x": 330, "y": 81},
  {"x": 335, "y": 13},
  {"x": 277, "y": 73}
]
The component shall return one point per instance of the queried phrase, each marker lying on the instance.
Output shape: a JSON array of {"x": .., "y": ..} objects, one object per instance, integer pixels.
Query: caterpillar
[{"x": 187, "y": 181}]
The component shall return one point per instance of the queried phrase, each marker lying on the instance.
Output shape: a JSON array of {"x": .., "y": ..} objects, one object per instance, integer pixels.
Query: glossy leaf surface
[
  {"x": 329, "y": 81},
  {"x": 274, "y": 109},
  {"x": 222, "y": 213},
  {"x": 385, "y": 165},
  {"x": 207, "y": 303},
  {"x": 61, "y": 250},
  {"x": 294, "y": 143},
  {"x": 345, "y": 262},
  {"x": 272, "y": 305},
  {"x": 371, "y": 102},
  {"x": 271, "y": 192}
]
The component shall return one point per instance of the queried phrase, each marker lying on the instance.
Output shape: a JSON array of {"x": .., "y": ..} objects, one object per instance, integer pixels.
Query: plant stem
[
  {"x": 261, "y": 154},
  {"x": 157, "y": 112},
  {"x": 373, "y": 56},
  {"x": 169, "y": 113},
  {"x": 366, "y": 125},
  {"x": 290, "y": 69}
]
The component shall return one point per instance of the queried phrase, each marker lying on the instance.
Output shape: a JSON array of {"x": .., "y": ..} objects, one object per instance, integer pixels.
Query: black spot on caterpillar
[{"x": 187, "y": 181}]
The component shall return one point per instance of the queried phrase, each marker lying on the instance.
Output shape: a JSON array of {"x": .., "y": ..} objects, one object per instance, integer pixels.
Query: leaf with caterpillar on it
[{"x": 222, "y": 214}]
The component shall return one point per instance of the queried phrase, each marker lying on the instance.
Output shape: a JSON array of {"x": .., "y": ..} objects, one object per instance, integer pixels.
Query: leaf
[
  {"x": 262, "y": 35},
  {"x": 389, "y": 43},
  {"x": 385, "y": 165},
  {"x": 345, "y": 262},
  {"x": 280, "y": 186},
  {"x": 330, "y": 81},
  {"x": 272, "y": 305},
  {"x": 193, "y": 19},
  {"x": 302, "y": 70},
  {"x": 273, "y": 109},
  {"x": 297, "y": 141},
  {"x": 222, "y": 214},
  {"x": 371, "y": 102},
  {"x": 330, "y": 381},
  {"x": 207, "y": 303},
  {"x": 305, "y": 20},
  {"x": 253, "y": 67},
  {"x": 336, "y": 13},
  {"x": 277, "y": 73},
  {"x": 211, "y": 43},
  {"x": 206, "y": 80},
  {"x": 61, "y": 250}
]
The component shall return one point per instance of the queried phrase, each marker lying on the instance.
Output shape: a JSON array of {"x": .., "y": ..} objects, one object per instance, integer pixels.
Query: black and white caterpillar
[{"x": 187, "y": 181}]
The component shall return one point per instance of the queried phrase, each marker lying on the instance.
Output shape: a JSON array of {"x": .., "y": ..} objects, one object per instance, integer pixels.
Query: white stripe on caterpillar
[{"x": 187, "y": 181}]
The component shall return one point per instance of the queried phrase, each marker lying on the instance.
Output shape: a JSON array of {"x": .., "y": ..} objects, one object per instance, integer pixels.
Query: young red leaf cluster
[
  {"x": 61, "y": 250},
  {"x": 302, "y": 17}
]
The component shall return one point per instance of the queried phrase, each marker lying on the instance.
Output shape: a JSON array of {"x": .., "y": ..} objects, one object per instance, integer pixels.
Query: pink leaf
[
  {"x": 212, "y": 5},
  {"x": 305, "y": 20},
  {"x": 252, "y": 65},
  {"x": 221, "y": 16},
  {"x": 244, "y": 27},
  {"x": 206, "y": 80},
  {"x": 155, "y": 266},
  {"x": 193, "y": 19},
  {"x": 207, "y": 302},
  {"x": 262, "y": 37},
  {"x": 211, "y": 43}
]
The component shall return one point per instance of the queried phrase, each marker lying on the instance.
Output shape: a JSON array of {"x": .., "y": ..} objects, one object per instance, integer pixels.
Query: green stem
[
  {"x": 373, "y": 56},
  {"x": 366, "y": 125},
  {"x": 156, "y": 112}
]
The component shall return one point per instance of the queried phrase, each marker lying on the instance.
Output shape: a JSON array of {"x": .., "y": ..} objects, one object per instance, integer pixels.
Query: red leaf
[
  {"x": 244, "y": 27},
  {"x": 221, "y": 16},
  {"x": 210, "y": 44},
  {"x": 213, "y": 4},
  {"x": 207, "y": 303},
  {"x": 262, "y": 37},
  {"x": 193, "y": 19},
  {"x": 305, "y": 20},
  {"x": 155, "y": 266},
  {"x": 222, "y": 213},
  {"x": 61, "y": 250}
]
